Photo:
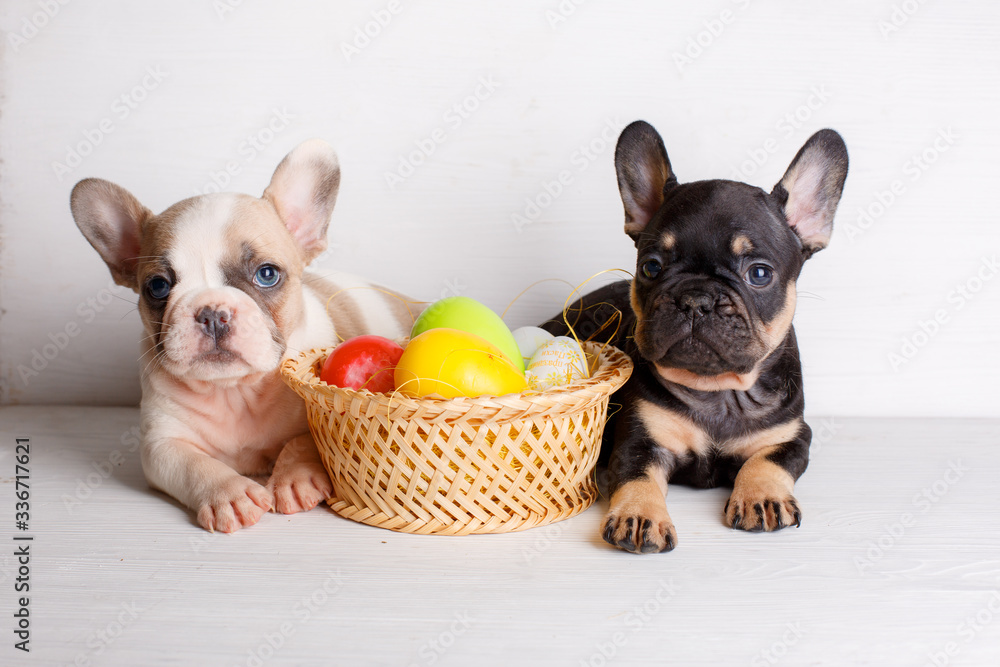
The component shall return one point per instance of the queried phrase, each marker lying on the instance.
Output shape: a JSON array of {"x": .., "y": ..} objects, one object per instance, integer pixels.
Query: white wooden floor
[{"x": 897, "y": 562}]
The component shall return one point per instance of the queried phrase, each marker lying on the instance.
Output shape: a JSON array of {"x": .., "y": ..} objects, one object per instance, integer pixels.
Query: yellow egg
[
  {"x": 465, "y": 314},
  {"x": 451, "y": 363}
]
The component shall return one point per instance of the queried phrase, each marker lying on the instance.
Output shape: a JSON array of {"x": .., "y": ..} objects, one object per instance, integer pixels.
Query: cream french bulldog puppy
[{"x": 224, "y": 298}]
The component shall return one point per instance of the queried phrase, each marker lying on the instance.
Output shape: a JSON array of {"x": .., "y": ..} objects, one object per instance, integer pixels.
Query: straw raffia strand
[{"x": 463, "y": 465}]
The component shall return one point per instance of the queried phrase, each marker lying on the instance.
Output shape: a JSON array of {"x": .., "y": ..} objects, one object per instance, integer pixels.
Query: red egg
[{"x": 364, "y": 362}]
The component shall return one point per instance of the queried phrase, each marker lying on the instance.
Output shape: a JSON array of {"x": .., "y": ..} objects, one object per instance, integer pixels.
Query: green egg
[{"x": 470, "y": 316}]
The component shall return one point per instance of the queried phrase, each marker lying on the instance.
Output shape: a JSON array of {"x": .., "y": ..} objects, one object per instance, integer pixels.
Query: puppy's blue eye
[
  {"x": 759, "y": 275},
  {"x": 267, "y": 276},
  {"x": 158, "y": 288},
  {"x": 651, "y": 268}
]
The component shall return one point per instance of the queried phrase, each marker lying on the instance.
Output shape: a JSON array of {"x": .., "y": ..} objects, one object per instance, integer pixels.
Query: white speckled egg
[
  {"x": 529, "y": 339},
  {"x": 557, "y": 362}
]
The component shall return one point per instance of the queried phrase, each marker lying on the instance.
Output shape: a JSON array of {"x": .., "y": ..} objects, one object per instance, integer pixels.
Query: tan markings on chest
[
  {"x": 675, "y": 433},
  {"x": 748, "y": 445},
  {"x": 682, "y": 437}
]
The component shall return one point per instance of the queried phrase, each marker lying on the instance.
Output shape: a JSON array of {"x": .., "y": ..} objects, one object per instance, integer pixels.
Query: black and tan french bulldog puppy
[
  {"x": 224, "y": 297},
  {"x": 716, "y": 397}
]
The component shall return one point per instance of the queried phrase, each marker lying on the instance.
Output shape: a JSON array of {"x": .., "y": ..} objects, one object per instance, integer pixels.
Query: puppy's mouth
[
  {"x": 208, "y": 360},
  {"x": 707, "y": 345},
  {"x": 219, "y": 357},
  {"x": 694, "y": 353},
  {"x": 216, "y": 334}
]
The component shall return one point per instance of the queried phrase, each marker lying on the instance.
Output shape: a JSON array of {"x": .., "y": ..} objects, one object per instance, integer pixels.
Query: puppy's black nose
[
  {"x": 695, "y": 303},
  {"x": 215, "y": 323}
]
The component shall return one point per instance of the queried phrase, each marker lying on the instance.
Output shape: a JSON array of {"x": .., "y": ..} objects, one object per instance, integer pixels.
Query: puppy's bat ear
[
  {"x": 644, "y": 174},
  {"x": 810, "y": 190},
  {"x": 304, "y": 191},
  {"x": 111, "y": 219}
]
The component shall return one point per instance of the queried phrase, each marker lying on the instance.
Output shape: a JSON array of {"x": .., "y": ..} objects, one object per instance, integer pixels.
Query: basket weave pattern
[{"x": 463, "y": 465}]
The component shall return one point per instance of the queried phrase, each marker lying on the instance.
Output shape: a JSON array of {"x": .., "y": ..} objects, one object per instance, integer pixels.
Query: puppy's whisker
[
  {"x": 126, "y": 300},
  {"x": 147, "y": 363},
  {"x": 152, "y": 349},
  {"x": 152, "y": 361},
  {"x": 151, "y": 336}
]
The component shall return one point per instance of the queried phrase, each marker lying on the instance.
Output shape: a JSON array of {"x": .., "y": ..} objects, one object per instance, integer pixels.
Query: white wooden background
[{"x": 898, "y": 79}]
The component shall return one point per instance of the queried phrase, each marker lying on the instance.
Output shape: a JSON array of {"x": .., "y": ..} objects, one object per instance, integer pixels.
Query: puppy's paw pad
[
  {"x": 238, "y": 503},
  {"x": 300, "y": 490},
  {"x": 758, "y": 513},
  {"x": 639, "y": 534}
]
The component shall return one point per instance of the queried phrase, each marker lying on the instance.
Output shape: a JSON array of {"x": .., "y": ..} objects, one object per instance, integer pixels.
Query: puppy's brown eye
[
  {"x": 651, "y": 268},
  {"x": 759, "y": 275}
]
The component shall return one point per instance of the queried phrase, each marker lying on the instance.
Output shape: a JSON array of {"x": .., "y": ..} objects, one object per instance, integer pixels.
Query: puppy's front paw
[
  {"x": 299, "y": 480},
  {"x": 640, "y": 534},
  {"x": 638, "y": 519},
  {"x": 237, "y": 503},
  {"x": 300, "y": 488},
  {"x": 760, "y": 511}
]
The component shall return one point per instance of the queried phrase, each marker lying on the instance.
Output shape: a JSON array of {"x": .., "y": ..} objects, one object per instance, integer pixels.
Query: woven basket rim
[{"x": 613, "y": 368}]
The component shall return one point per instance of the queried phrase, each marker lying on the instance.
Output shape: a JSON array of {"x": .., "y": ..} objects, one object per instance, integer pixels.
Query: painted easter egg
[
  {"x": 558, "y": 362},
  {"x": 529, "y": 339}
]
